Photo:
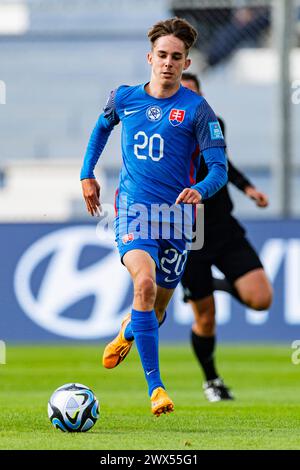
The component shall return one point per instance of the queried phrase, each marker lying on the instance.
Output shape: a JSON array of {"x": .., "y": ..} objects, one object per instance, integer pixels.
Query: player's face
[
  {"x": 168, "y": 60},
  {"x": 191, "y": 85}
]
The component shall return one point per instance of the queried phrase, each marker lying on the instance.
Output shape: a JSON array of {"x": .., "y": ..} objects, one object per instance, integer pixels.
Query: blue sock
[
  {"x": 145, "y": 330},
  {"x": 128, "y": 330}
]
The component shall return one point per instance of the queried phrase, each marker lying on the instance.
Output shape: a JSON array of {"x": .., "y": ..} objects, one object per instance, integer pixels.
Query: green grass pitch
[{"x": 265, "y": 414}]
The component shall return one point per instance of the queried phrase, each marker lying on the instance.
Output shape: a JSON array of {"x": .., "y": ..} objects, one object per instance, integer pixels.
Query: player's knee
[
  {"x": 261, "y": 300},
  {"x": 145, "y": 289},
  {"x": 204, "y": 312},
  {"x": 205, "y": 324}
]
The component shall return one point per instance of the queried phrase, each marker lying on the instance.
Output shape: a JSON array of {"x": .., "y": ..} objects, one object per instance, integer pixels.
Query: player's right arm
[{"x": 90, "y": 186}]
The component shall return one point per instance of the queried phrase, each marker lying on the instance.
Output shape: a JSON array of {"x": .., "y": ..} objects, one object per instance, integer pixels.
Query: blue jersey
[{"x": 160, "y": 139}]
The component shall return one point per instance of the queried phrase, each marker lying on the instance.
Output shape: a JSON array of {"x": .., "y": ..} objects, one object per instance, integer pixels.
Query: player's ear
[
  {"x": 149, "y": 57},
  {"x": 187, "y": 63}
]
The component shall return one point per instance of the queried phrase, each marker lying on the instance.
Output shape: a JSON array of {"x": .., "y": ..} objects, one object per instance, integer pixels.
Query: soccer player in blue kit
[{"x": 162, "y": 125}]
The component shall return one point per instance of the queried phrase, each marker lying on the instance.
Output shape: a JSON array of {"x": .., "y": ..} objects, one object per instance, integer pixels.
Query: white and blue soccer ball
[{"x": 73, "y": 408}]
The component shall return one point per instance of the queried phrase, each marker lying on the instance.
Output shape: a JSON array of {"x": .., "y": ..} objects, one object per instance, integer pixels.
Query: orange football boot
[
  {"x": 116, "y": 351},
  {"x": 161, "y": 402}
]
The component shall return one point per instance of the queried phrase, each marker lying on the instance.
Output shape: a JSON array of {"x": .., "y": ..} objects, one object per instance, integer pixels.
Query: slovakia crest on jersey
[
  {"x": 176, "y": 116},
  {"x": 128, "y": 238}
]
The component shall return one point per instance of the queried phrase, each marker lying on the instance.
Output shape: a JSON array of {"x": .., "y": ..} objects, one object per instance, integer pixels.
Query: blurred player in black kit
[{"x": 227, "y": 248}]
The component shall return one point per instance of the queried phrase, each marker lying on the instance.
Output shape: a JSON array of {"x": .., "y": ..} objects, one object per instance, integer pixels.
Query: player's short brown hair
[{"x": 178, "y": 27}]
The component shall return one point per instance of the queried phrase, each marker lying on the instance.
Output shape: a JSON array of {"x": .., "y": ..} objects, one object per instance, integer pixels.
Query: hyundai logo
[{"x": 61, "y": 285}]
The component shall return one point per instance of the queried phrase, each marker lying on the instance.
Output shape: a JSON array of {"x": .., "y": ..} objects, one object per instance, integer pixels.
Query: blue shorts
[{"x": 170, "y": 254}]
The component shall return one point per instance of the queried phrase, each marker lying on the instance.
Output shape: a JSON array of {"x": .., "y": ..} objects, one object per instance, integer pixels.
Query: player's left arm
[
  {"x": 260, "y": 198},
  {"x": 212, "y": 145},
  {"x": 236, "y": 177},
  {"x": 215, "y": 160},
  {"x": 239, "y": 180}
]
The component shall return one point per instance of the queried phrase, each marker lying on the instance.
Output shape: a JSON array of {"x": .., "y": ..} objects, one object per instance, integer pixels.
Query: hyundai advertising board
[{"x": 65, "y": 282}]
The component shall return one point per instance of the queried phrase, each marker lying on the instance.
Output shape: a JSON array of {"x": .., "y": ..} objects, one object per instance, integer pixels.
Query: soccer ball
[{"x": 73, "y": 408}]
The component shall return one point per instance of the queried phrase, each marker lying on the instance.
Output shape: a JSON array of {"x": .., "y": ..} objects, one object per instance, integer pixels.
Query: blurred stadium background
[{"x": 58, "y": 61}]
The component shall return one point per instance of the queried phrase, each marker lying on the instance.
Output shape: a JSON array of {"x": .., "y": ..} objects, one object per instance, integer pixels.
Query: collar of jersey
[{"x": 178, "y": 92}]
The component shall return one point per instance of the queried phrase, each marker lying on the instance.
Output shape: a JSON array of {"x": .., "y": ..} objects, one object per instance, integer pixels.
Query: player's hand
[
  {"x": 260, "y": 198},
  {"x": 189, "y": 196},
  {"x": 91, "y": 194}
]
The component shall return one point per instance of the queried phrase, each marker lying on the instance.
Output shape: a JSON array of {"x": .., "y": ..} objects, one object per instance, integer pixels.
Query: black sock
[
  {"x": 224, "y": 285},
  {"x": 204, "y": 347}
]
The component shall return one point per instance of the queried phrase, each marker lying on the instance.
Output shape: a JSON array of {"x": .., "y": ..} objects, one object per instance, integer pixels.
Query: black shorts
[{"x": 227, "y": 248}]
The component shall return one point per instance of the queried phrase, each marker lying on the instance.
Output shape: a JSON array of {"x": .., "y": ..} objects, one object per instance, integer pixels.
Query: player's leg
[
  {"x": 254, "y": 289},
  {"x": 163, "y": 294},
  {"x": 244, "y": 270},
  {"x": 142, "y": 270},
  {"x": 159, "y": 399},
  {"x": 226, "y": 286},
  {"x": 160, "y": 402},
  {"x": 144, "y": 326},
  {"x": 163, "y": 297},
  {"x": 203, "y": 338},
  {"x": 198, "y": 291},
  {"x": 242, "y": 294},
  {"x": 118, "y": 349}
]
